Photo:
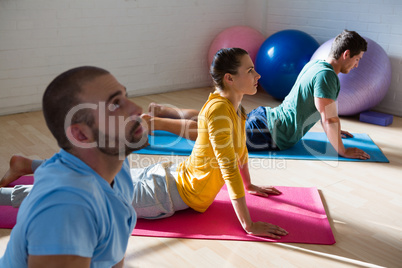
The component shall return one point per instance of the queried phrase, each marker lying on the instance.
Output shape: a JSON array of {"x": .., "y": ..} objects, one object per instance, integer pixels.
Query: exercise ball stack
[
  {"x": 243, "y": 37},
  {"x": 281, "y": 58},
  {"x": 365, "y": 86}
]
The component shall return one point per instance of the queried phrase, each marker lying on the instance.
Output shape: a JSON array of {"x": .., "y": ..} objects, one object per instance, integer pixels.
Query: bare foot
[
  {"x": 155, "y": 109},
  {"x": 147, "y": 122},
  {"x": 19, "y": 166}
]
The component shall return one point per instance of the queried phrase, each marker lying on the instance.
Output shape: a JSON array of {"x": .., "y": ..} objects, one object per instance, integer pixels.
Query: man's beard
[{"x": 121, "y": 146}]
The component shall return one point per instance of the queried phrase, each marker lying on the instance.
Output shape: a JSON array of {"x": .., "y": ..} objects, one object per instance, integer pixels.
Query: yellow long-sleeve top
[{"x": 219, "y": 149}]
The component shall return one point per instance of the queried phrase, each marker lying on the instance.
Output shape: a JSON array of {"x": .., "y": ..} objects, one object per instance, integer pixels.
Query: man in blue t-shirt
[
  {"x": 311, "y": 99},
  {"x": 79, "y": 212}
]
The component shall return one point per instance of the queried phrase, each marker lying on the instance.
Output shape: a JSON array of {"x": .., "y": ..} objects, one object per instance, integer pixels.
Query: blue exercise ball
[{"x": 281, "y": 58}]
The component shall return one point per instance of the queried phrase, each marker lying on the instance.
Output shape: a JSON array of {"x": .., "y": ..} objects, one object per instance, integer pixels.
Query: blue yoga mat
[{"x": 313, "y": 146}]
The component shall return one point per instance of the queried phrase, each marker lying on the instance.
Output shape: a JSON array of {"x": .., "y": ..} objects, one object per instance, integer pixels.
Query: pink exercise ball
[
  {"x": 243, "y": 37},
  {"x": 365, "y": 86}
]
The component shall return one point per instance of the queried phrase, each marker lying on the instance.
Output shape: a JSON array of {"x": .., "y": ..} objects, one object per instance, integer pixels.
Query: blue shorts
[{"x": 258, "y": 135}]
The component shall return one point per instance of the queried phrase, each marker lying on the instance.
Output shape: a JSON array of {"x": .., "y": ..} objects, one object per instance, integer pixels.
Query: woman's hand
[
  {"x": 255, "y": 228},
  {"x": 346, "y": 134},
  {"x": 266, "y": 229},
  {"x": 262, "y": 190}
]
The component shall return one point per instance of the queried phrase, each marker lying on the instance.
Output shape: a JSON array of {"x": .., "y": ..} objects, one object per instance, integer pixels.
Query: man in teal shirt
[
  {"x": 292, "y": 119},
  {"x": 311, "y": 99}
]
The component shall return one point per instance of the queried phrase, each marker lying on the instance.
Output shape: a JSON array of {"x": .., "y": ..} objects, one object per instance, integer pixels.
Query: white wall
[
  {"x": 151, "y": 46},
  {"x": 156, "y": 46},
  {"x": 379, "y": 20}
]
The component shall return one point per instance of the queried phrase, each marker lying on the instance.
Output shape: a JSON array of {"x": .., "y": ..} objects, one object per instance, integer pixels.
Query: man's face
[
  {"x": 351, "y": 62},
  {"x": 117, "y": 128}
]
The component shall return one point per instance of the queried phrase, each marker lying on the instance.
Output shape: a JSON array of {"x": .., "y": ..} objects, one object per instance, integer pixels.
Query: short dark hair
[
  {"x": 348, "y": 40},
  {"x": 61, "y": 95},
  {"x": 226, "y": 60}
]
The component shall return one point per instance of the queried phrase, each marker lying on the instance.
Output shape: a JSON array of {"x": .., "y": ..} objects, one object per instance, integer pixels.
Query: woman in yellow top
[{"x": 219, "y": 156}]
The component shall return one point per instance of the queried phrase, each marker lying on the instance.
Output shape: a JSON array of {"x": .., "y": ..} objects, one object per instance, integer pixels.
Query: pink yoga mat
[{"x": 299, "y": 210}]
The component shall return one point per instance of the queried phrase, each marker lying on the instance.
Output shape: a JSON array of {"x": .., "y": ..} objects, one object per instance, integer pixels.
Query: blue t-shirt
[
  {"x": 297, "y": 114},
  {"x": 71, "y": 210}
]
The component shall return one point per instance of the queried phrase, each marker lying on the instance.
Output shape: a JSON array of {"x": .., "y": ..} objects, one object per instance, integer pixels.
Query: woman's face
[{"x": 246, "y": 79}]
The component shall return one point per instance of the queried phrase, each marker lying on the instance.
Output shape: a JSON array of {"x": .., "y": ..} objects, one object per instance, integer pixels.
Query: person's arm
[
  {"x": 242, "y": 212},
  {"x": 63, "y": 261},
  {"x": 59, "y": 261},
  {"x": 332, "y": 126},
  {"x": 255, "y": 228},
  {"x": 254, "y": 189}
]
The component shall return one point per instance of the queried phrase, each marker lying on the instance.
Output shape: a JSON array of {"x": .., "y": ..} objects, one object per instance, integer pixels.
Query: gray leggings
[
  {"x": 155, "y": 191},
  {"x": 13, "y": 196}
]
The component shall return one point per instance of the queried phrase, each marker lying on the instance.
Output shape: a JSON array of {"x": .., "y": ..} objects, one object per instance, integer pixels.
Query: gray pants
[
  {"x": 155, "y": 191},
  {"x": 13, "y": 196}
]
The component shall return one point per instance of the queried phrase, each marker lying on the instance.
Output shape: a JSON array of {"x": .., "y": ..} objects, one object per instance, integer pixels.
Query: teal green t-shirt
[{"x": 297, "y": 114}]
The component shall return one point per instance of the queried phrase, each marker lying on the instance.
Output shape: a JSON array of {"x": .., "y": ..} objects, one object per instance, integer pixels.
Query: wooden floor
[{"x": 363, "y": 200}]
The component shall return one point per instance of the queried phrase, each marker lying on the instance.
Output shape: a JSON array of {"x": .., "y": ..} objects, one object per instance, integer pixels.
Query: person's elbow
[{"x": 330, "y": 121}]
